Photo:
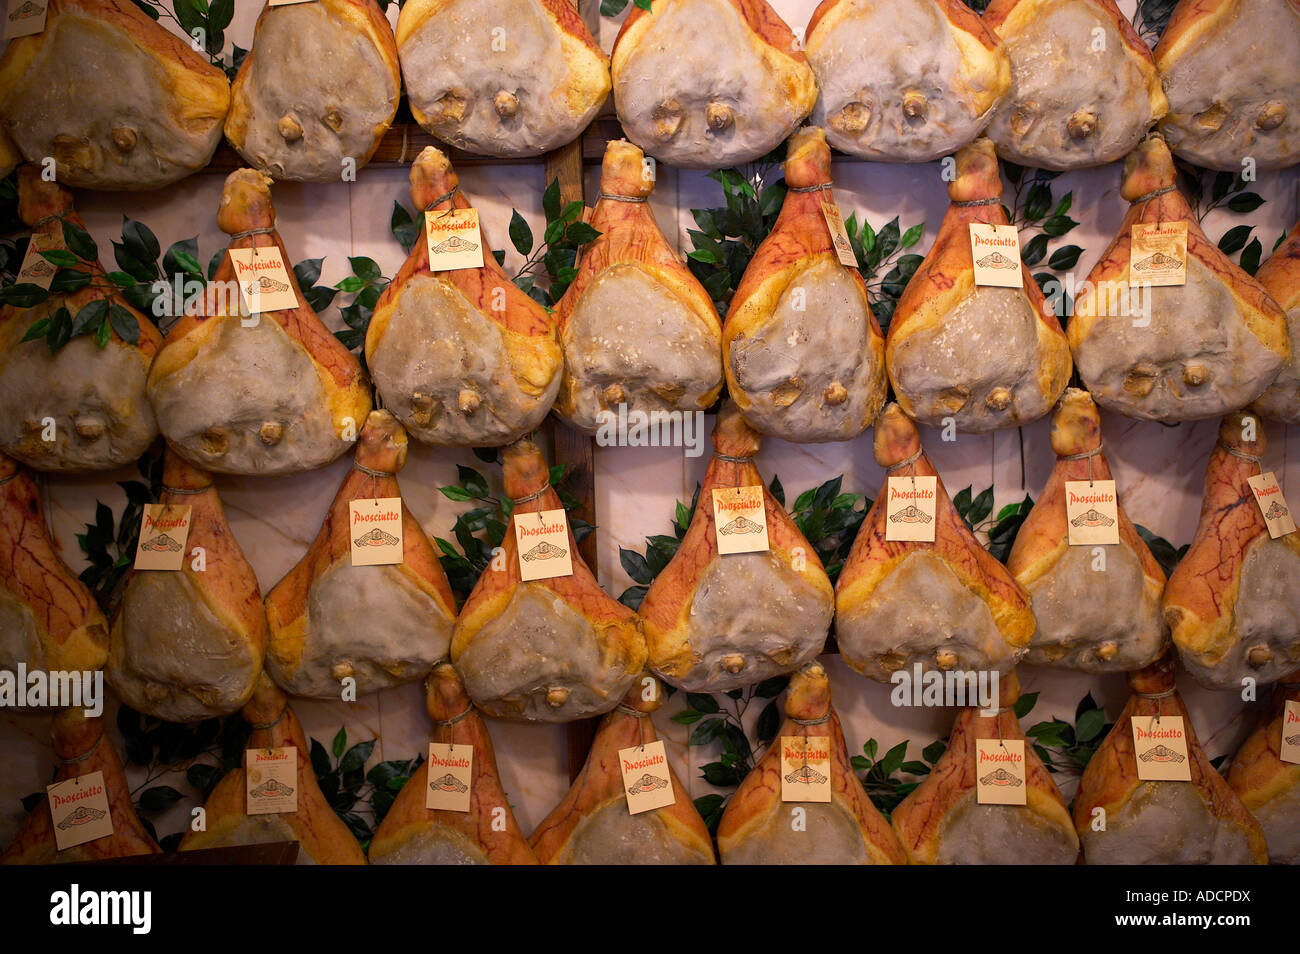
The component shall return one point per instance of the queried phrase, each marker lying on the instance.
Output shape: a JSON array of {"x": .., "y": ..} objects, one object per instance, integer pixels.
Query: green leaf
[
  {"x": 1034, "y": 250},
  {"x": 1235, "y": 239},
  {"x": 472, "y": 481},
  {"x": 36, "y": 330},
  {"x": 307, "y": 272},
  {"x": 1250, "y": 256},
  {"x": 190, "y": 14},
  {"x": 366, "y": 269},
  {"x": 79, "y": 242},
  {"x": 634, "y": 564},
  {"x": 404, "y": 228},
  {"x": 702, "y": 702},
  {"x": 340, "y": 743},
  {"x": 551, "y": 201},
  {"x": 1067, "y": 256},
  {"x": 1244, "y": 202},
  {"x": 1058, "y": 225},
  {"x": 643, "y": 4},
  {"x": 1025, "y": 704},
  {"x": 159, "y": 798},
  {"x": 455, "y": 493},
  {"x": 59, "y": 257},
  {"x": 612, "y": 8},
  {"x": 911, "y": 236},
  {"x": 769, "y": 722},
  {"x": 355, "y": 758},
  {"x": 980, "y": 507},
  {"x": 67, "y": 280},
  {"x": 521, "y": 235},
  {"x": 140, "y": 242},
  {"x": 23, "y": 295},
  {"x": 1037, "y": 201},
  {"x": 90, "y": 317},
  {"x": 148, "y": 8},
  {"x": 961, "y": 503},
  {"x": 124, "y": 324},
  {"x": 220, "y": 13},
  {"x": 183, "y": 258}
]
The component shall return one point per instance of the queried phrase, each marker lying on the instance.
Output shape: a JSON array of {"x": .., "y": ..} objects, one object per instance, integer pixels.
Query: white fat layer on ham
[
  {"x": 538, "y": 643},
  {"x": 372, "y": 618},
  {"x": 785, "y": 369},
  {"x": 921, "y": 607},
  {"x": 431, "y": 845},
  {"x": 755, "y": 606},
  {"x": 1281, "y": 401},
  {"x": 256, "y": 830},
  {"x": 437, "y": 345},
  {"x": 1078, "y": 609},
  {"x": 316, "y": 70},
  {"x": 1198, "y": 327},
  {"x": 1280, "y": 819},
  {"x": 19, "y": 640},
  {"x": 630, "y": 330},
  {"x": 1059, "y": 68},
  {"x": 89, "y": 80},
  {"x": 453, "y": 75},
  {"x": 242, "y": 378},
  {"x": 988, "y": 341},
  {"x": 696, "y": 53},
  {"x": 855, "y": 69},
  {"x": 1166, "y": 823},
  {"x": 608, "y": 835},
  {"x": 177, "y": 659},
  {"x": 975, "y": 834},
  {"x": 95, "y": 395},
  {"x": 831, "y": 837},
  {"x": 1220, "y": 87},
  {"x": 1266, "y": 613}
]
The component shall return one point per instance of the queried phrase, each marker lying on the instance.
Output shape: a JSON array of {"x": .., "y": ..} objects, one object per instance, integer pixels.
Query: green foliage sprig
[
  {"x": 891, "y": 778},
  {"x": 882, "y": 251},
  {"x": 1208, "y": 191},
  {"x": 1001, "y": 530},
  {"x": 1034, "y": 209},
  {"x": 557, "y": 256},
  {"x": 109, "y": 543},
  {"x": 729, "y": 235},
  {"x": 204, "y": 20},
  {"x": 481, "y": 529},
  {"x": 1064, "y": 747},
  {"x": 1151, "y": 18},
  {"x": 612, "y": 8},
  {"x": 1166, "y": 554},
  {"x": 361, "y": 799}
]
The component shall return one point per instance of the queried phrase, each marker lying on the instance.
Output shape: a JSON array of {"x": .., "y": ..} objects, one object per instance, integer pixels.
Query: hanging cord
[
  {"x": 528, "y": 498},
  {"x": 448, "y": 723},
  {"x": 184, "y": 491},
  {"x": 251, "y": 232},
  {"x": 1156, "y": 695},
  {"x": 1089, "y": 455},
  {"x": 818, "y": 721},
  {"x": 261, "y": 726},
  {"x": 979, "y": 203},
  {"x": 734, "y": 460},
  {"x": 370, "y": 471},
  {"x": 623, "y": 198},
  {"x": 85, "y": 755},
  {"x": 905, "y": 463},
  {"x": 443, "y": 198},
  {"x": 640, "y": 725},
  {"x": 1154, "y": 195},
  {"x": 820, "y": 187},
  {"x": 1254, "y": 459}
]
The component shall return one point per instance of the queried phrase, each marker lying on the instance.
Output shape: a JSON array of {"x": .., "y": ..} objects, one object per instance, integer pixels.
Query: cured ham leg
[
  {"x": 322, "y": 616},
  {"x": 592, "y": 826},
  {"x": 462, "y": 357},
  {"x": 322, "y": 837},
  {"x": 709, "y": 84},
  {"x": 756, "y": 827},
  {"x": 188, "y": 644},
  {"x": 946, "y": 604},
  {"x": 1280, "y": 276},
  {"x": 984, "y": 357},
  {"x": 942, "y": 822},
  {"x": 1229, "y": 69},
  {"x": 1233, "y": 604},
  {"x": 1090, "y": 615},
  {"x": 1268, "y": 786},
  {"x": 412, "y": 834},
  {"x": 530, "y": 88},
  {"x": 157, "y": 120},
  {"x": 635, "y": 325},
  {"x": 717, "y": 622},
  {"x": 1180, "y": 352},
  {"x": 1201, "y": 822},
  {"x": 48, "y": 619},
  {"x": 94, "y": 396},
  {"x": 904, "y": 80},
  {"x": 1084, "y": 89},
  {"x": 318, "y": 88},
  {"x": 82, "y": 748},
  {"x": 274, "y": 393},
  {"x": 550, "y": 650},
  {"x": 804, "y": 355}
]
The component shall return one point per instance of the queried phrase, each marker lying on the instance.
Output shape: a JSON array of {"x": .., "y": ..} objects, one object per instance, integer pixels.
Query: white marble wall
[{"x": 1159, "y": 470}]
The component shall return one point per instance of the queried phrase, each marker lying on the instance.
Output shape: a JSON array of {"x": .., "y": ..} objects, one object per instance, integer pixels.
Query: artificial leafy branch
[
  {"x": 109, "y": 543},
  {"x": 1207, "y": 191},
  {"x": 557, "y": 256},
  {"x": 1151, "y": 18},
  {"x": 881, "y": 251},
  {"x": 977, "y": 512},
  {"x": 1035, "y": 210},
  {"x": 203, "y": 21},
  {"x": 728, "y": 236},
  {"x": 1166, "y": 554},
  {"x": 891, "y": 778}
]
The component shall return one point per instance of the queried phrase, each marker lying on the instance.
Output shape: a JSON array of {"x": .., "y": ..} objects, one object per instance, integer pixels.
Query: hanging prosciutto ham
[
  {"x": 804, "y": 355},
  {"x": 981, "y": 356},
  {"x": 716, "y": 622},
  {"x": 1280, "y": 276},
  {"x": 1177, "y": 352},
  {"x": 1268, "y": 785},
  {"x": 756, "y": 827},
  {"x": 1229, "y": 69},
  {"x": 1096, "y": 608},
  {"x": 1124, "y": 820},
  {"x": 1233, "y": 603},
  {"x": 709, "y": 84},
  {"x": 114, "y": 98},
  {"x": 903, "y": 80},
  {"x": 943, "y": 605},
  {"x": 487, "y": 834}
]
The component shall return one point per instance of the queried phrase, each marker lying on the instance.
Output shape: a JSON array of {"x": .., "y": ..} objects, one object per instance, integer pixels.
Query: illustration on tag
[
  {"x": 376, "y": 538},
  {"x": 805, "y": 775},
  {"x": 1161, "y": 753},
  {"x": 741, "y": 525},
  {"x": 449, "y": 783},
  {"x": 997, "y": 260},
  {"x": 271, "y": 788},
  {"x": 647, "y": 783},
  {"x": 82, "y": 815},
  {"x": 545, "y": 551},
  {"x": 161, "y": 543},
  {"x": 1001, "y": 777},
  {"x": 911, "y": 514},
  {"x": 453, "y": 244},
  {"x": 1092, "y": 518}
]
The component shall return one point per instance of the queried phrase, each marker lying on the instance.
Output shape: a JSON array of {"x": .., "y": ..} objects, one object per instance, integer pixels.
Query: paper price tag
[
  {"x": 740, "y": 520},
  {"x": 647, "y": 780},
  {"x": 451, "y": 777},
  {"x": 25, "y": 18},
  {"x": 79, "y": 810},
  {"x": 543, "y": 542},
  {"x": 1091, "y": 512},
  {"x": 271, "y": 781},
  {"x": 264, "y": 282},
  {"x": 453, "y": 239},
  {"x": 1289, "y": 751},
  {"x": 995, "y": 250},
  {"x": 909, "y": 510},
  {"x": 1277, "y": 516},
  {"x": 805, "y": 769},
  {"x": 1157, "y": 254},
  {"x": 1160, "y": 747},
  {"x": 164, "y": 531},
  {"x": 839, "y": 234},
  {"x": 1000, "y": 772},
  {"x": 376, "y": 529},
  {"x": 35, "y": 269}
]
